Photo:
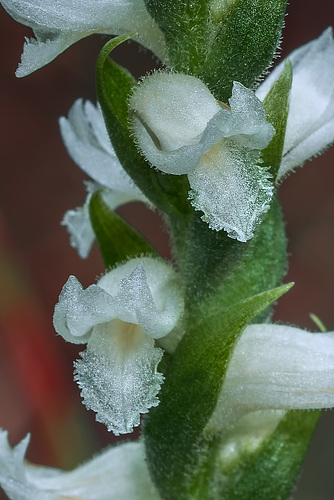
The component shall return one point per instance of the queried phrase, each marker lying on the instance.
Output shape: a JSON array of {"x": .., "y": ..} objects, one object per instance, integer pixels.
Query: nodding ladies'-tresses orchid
[
  {"x": 57, "y": 25},
  {"x": 228, "y": 400},
  {"x": 273, "y": 368},
  {"x": 182, "y": 129},
  {"x": 119, "y": 318},
  {"x": 86, "y": 139}
]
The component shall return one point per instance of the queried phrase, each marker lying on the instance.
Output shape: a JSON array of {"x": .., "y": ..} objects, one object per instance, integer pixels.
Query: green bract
[{"x": 220, "y": 41}]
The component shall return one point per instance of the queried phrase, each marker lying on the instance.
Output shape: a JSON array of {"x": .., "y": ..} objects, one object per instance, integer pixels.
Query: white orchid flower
[
  {"x": 118, "y": 473},
  {"x": 181, "y": 129},
  {"x": 57, "y": 25},
  {"x": 86, "y": 139},
  {"x": 119, "y": 318},
  {"x": 276, "y": 367},
  {"x": 310, "y": 125}
]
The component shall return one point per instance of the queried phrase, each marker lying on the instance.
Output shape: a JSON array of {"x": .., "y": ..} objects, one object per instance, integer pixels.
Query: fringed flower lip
[
  {"x": 182, "y": 129},
  {"x": 119, "y": 318},
  {"x": 118, "y": 473},
  {"x": 87, "y": 142},
  {"x": 58, "y": 25}
]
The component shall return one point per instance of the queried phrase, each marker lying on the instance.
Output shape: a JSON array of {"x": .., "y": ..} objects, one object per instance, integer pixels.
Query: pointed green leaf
[
  {"x": 272, "y": 471},
  {"x": 276, "y": 104},
  {"x": 189, "y": 394},
  {"x": 117, "y": 240},
  {"x": 114, "y": 86},
  {"x": 220, "y": 41},
  {"x": 218, "y": 271}
]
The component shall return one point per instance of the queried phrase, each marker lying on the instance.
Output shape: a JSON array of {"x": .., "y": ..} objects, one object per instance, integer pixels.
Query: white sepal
[
  {"x": 181, "y": 129},
  {"x": 144, "y": 291},
  {"x": 118, "y": 473},
  {"x": 277, "y": 367},
  {"x": 86, "y": 139},
  {"x": 57, "y": 25},
  {"x": 310, "y": 125},
  {"x": 119, "y": 318}
]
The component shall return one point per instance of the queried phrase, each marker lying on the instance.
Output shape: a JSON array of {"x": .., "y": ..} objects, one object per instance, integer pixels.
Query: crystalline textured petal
[
  {"x": 118, "y": 375},
  {"x": 143, "y": 291},
  {"x": 231, "y": 189}
]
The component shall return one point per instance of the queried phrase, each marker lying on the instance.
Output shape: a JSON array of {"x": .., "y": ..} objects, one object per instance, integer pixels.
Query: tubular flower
[
  {"x": 118, "y": 473},
  {"x": 86, "y": 139},
  {"x": 276, "y": 367},
  {"x": 57, "y": 25},
  {"x": 181, "y": 129},
  {"x": 310, "y": 125},
  {"x": 119, "y": 318}
]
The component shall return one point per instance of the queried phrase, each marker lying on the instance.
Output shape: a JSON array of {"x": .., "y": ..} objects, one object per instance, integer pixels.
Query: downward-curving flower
[
  {"x": 182, "y": 129},
  {"x": 119, "y": 318},
  {"x": 87, "y": 142},
  {"x": 57, "y": 25},
  {"x": 310, "y": 125},
  {"x": 276, "y": 367},
  {"x": 118, "y": 473}
]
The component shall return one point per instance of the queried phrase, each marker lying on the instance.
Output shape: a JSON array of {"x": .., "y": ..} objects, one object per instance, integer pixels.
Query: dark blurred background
[{"x": 39, "y": 183}]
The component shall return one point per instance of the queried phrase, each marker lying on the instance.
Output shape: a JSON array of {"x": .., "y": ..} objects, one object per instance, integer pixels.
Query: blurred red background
[{"x": 39, "y": 183}]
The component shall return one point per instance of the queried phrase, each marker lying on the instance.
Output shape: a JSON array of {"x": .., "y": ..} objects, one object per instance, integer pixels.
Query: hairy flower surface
[
  {"x": 119, "y": 318},
  {"x": 276, "y": 367},
  {"x": 87, "y": 142},
  {"x": 181, "y": 129},
  {"x": 118, "y": 473},
  {"x": 57, "y": 25},
  {"x": 310, "y": 125}
]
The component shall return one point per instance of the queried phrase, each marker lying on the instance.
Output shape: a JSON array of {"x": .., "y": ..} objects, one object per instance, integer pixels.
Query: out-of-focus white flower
[
  {"x": 86, "y": 139},
  {"x": 118, "y": 473},
  {"x": 57, "y": 25},
  {"x": 182, "y": 129},
  {"x": 119, "y": 318},
  {"x": 310, "y": 126},
  {"x": 276, "y": 367}
]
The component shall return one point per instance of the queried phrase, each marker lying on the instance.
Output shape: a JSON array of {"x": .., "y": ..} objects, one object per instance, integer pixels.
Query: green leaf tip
[
  {"x": 114, "y": 86},
  {"x": 118, "y": 241},
  {"x": 220, "y": 42},
  {"x": 190, "y": 392},
  {"x": 276, "y": 105}
]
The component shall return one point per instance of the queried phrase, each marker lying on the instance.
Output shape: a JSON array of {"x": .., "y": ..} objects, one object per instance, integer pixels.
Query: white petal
[
  {"x": 278, "y": 367},
  {"x": 118, "y": 473},
  {"x": 148, "y": 294},
  {"x": 170, "y": 112},
  {"x": 87, "y": 142},
  {"x": 118, "y": 375},
  {"x": 40, "y": 51},
  {"x": 144, "y": 291},
  {"x": 79, "y": 310},
  {"x": 311, "y": 104},
  {"x": 174, "y": 107},
  {"x": 311, "y": 146},
  {"x": 81, "y": 233},
  {"x": 77, "y": 221},
  {"x": 66, "y": 21},
  {"x": 231, "y": 189}
]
